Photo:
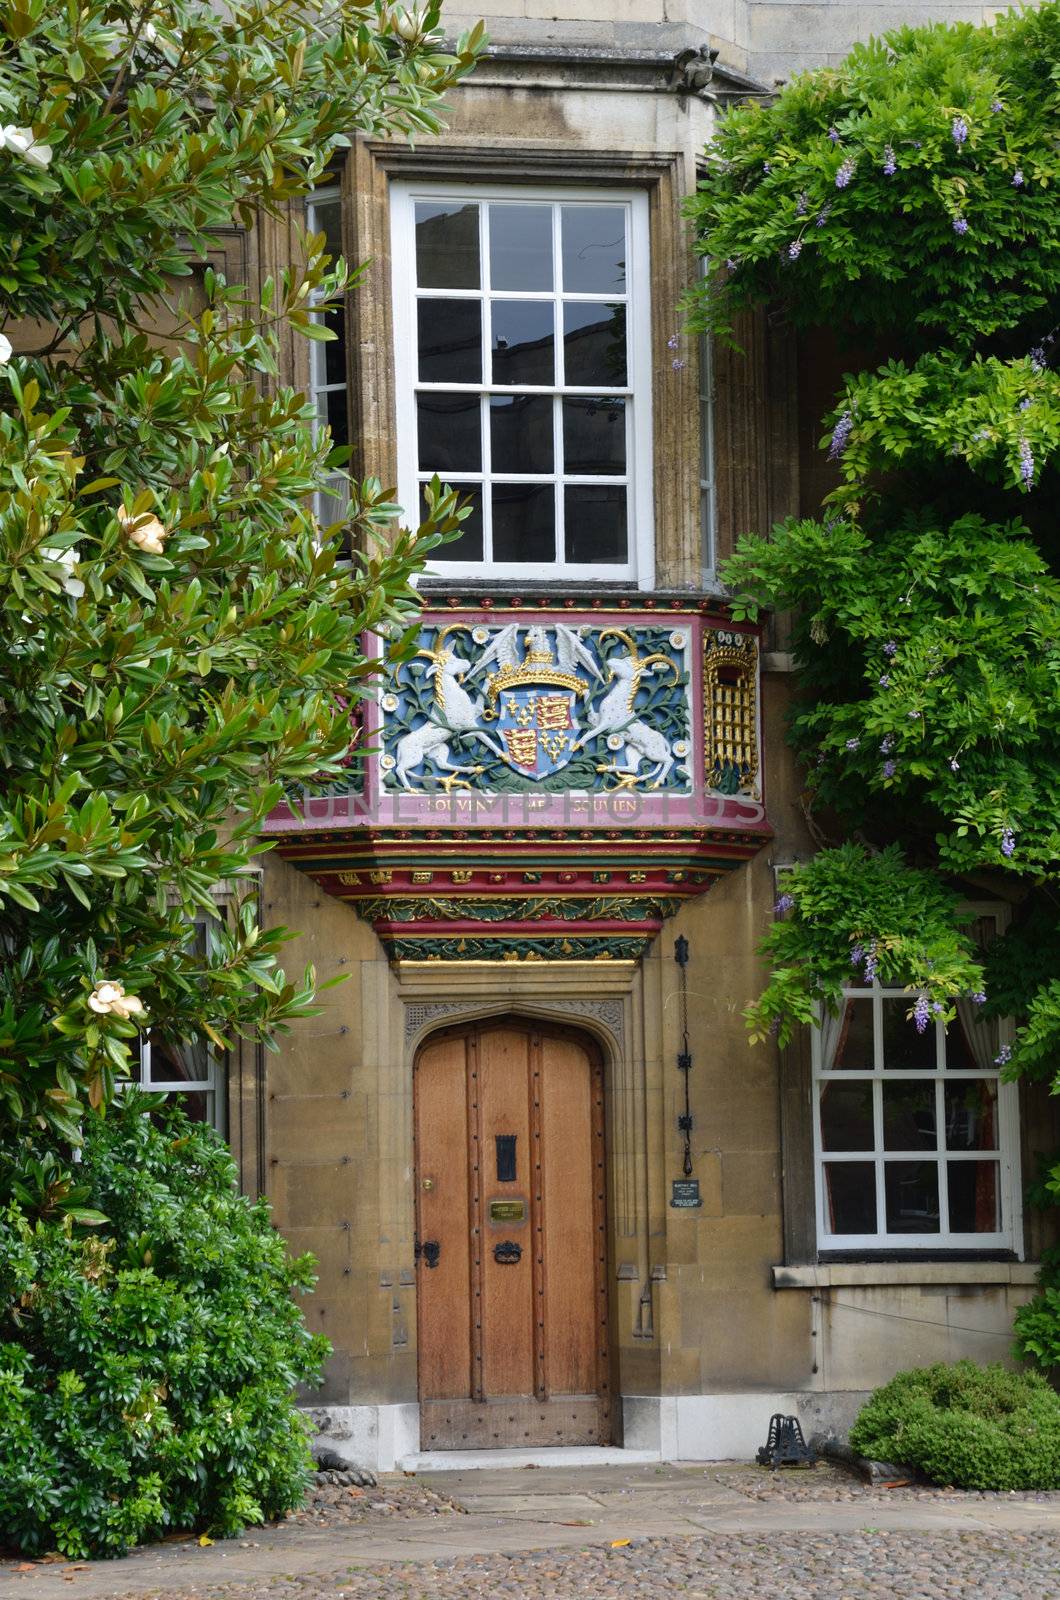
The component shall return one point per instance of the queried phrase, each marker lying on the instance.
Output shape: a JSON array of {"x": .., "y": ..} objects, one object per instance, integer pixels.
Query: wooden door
[{"x": 511, "y": 1251}]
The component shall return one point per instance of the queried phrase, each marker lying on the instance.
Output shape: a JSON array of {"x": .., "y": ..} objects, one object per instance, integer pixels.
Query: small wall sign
[
  {"x": 685, "y": 1195},
  {"x": 507, "y": 1211}
]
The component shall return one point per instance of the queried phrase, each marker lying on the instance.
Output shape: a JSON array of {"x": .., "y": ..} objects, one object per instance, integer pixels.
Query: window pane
[
  {"x": 446, "y": 244},
  {"x": 198, "y": 1104},
  {"x": 178, "y": 1063},
  {"x": 912, "y": 1190},
  {"x": 847, "y": 1041},
  {"x": 975, "y": 1199},
  {"x": 450, "y": 433},
  {"x": 524, "y": 518},
  {"x": 594, "y": 435},
  {"x": 909, "y": 1115},
  {"x": 594, "y": 249},
  {"x": 520, "y": 247},
  {"x": 850, "y": 1196},
  {"x": 523, "y": 341},
  {"x": 971, "y": 1113},
  {"x": 594, "y": 344},
  {"x": 905, "y": 1050},
  {"x": 467, "y": 546},
  {"x": 334, "y": 351},
  {"x": 450, "y": 341},
  {"x": 595, "y": 522},
  {"x": 336, "y": 415},
  {"x": 325, "y": 216},
  {"x": 521, "y": 433},
  {"x": 846, "y": 1115},
  {"x": 973, "y": 1045}
]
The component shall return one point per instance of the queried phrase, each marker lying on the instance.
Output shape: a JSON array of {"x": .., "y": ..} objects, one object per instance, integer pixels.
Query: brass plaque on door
[{"x": 507, "y": 1211}]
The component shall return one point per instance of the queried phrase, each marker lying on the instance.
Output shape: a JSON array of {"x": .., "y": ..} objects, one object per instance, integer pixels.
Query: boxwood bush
[
  {"x": 970, "y": 1426},
  {"x": 147, "y": 1365}
]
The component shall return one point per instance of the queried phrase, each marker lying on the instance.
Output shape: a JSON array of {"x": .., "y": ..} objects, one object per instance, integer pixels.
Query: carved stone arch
[{"x": 603, "y": 1020}]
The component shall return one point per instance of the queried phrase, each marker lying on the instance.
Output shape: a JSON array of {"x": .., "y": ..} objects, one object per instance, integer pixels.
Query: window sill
[{"x": 904, "y": 1274}]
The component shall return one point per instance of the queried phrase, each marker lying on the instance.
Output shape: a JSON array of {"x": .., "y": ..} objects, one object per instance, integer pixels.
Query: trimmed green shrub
[
  {"x": 969, "y": 1426},
  {"x": 146, "y": 1371}
]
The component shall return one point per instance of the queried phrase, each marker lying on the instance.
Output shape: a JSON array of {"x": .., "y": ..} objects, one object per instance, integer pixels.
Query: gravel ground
[
  {"x": 989, "y": 1566},
  {"x": 334, "y": 1504},
  {"x": 829, "y": 1482}
]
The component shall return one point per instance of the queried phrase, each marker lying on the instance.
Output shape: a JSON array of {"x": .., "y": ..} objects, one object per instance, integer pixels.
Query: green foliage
[
  {"x": 969, "y": 1426},
  {"x": 145, "y": 1378},
  {"x": 180, "y": 641},
  {"x": 905, "y": 201},
  {"x": 848, "y": 907}
]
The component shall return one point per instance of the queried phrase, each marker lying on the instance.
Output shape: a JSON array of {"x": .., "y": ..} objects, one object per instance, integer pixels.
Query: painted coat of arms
[{"x": 539, "y": 705}]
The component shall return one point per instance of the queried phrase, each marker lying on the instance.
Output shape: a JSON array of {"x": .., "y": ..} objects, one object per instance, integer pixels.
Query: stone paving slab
[{"x": 723, "y": 1531}]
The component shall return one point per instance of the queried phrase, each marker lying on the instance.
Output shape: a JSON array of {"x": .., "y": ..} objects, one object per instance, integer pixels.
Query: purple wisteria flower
[
  {"x": 886, "y": 744},
  {"x": 955, "y": 765},
  {"x": 794, "y": 249},
  {"x": 784, "y": 904},
  {"x": 885, "y": 682},
  {"x": 1026, "y": 464},
  {"x": 853, "y": 744},
  {"x": 978, "y": 998},
  {"x": 1003, "y": 1056},
  {"x": 840, "y": 436},
  {"x": 857, "y": 955},
  {"x": 823, "y": 215},
  {"x": 995, "y": 105},
  {"x": 922, "y": 1013},
  {"x": 959, "y": 130},
  {"x": 732, "y": 263},
  {"x": 960, "y": 225},
  {"x": 1017, "y": 178},
  {"x": 833, "y": 134},
  {"x": 678, "y": 364},
  {"x": 802, "y": 204},
  {"x": 914, "y": 716},
  {"x": 890, "y": 165},
  {"x": 672, "y": 342},
  {"x": 766, "y": 167},
  {"x": 890, "y": 648},
  {"x": 1008, "y": 842},
  {"x": 1025, "y": 404},
  {"x": 937, "y": 1008},
  {"x": 872, "y": 963},
  {"x": 846, "y": 172},
  {"x": 1037, "y": 357},
  {"x": 890, "y": 768}
]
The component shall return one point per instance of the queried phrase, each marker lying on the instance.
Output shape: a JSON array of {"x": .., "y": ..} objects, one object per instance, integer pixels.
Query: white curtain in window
[{"x": 981, "y": 1036}]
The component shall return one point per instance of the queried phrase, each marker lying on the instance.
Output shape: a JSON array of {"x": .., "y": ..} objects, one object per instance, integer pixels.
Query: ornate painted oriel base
[{"x": 545, "y": 784}]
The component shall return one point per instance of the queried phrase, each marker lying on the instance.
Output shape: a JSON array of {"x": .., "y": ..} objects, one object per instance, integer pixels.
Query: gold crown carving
[{"x": 538, "y": 666}]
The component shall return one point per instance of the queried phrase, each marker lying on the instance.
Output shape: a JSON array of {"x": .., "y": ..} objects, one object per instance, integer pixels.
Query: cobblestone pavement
[{"x": 720, "y": 1531}]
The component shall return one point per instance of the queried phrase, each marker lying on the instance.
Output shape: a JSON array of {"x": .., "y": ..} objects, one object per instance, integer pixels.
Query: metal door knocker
[
  {"x": 430, "y": 1250},
  {"x": 507, "y": 1252}
]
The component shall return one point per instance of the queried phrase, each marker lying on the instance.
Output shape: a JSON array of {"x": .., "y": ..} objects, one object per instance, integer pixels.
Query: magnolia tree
[
  {"x": 180, "y": 637},
  {"x": 908, "y": 200}
]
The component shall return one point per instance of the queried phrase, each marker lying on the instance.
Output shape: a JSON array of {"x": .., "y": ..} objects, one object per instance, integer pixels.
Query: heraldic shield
[{"x": 539, "y": 728}]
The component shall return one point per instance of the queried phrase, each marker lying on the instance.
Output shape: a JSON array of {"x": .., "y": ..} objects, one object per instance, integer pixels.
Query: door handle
[{"x": 429, "y": 1250}]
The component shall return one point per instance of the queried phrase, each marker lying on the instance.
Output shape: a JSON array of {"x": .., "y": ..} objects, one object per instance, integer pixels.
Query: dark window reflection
[
  {"x": 520, "y": 247},
  {"x": 846, "y": 1115},
  {"x": 903, "y": 1048},
  {"x": 450, "y": 341},
  {"x": 335, "y": 349},
  {"x": 850, "y": 1196},
  {"x": 523, "y": 341},
  {"x": 524, "y": 522},
  {"x": 337, "y": 415},
  {"x": 850, "y": 1038},
  {"x": 975, "y": 1205},
  {"x": 521, "y": 433},
  {"x": 446, "y": 245},
  {"x": 593, "y": 240},
  {"x": 971, "y": 1113},
  {"x": 595, "y": 520},
  {"x": 594, "y": 344},
  {"x": 327, "y": 219},
  {"x": 594, "y": 435},
  {"x": 467, "y": 546},
  {"x": 450, "y": 432},
  {"x": 912, "y": 1191},
  {"x": 909, "y": 1115}
]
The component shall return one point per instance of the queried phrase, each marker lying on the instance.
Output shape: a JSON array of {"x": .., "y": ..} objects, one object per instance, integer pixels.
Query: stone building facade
[{"x": 556, "y": 1196}]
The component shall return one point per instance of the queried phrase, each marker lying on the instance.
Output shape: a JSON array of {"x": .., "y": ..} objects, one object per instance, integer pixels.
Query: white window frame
[
  {"x": 640, "y": 566},
  {"x": 708, "y": 488},
  {"x": 214, "y": 1085},
  {"x": 1010, "y": 1235}
]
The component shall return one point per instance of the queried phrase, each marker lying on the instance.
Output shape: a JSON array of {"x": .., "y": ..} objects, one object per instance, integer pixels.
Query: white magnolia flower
[
  {"x": 407, "y": 25},
  {"x": 6, "y": 351},
  {"x": 68, "y": 560},
  {"x": 22, "y": 142},
  {"x": 110, "y": 1000},
  {"x": 145, "y": 531}
]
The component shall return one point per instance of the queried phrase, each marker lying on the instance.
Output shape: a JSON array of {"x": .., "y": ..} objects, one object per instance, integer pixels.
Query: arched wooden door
[{"x": 511, "y": 1238}]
